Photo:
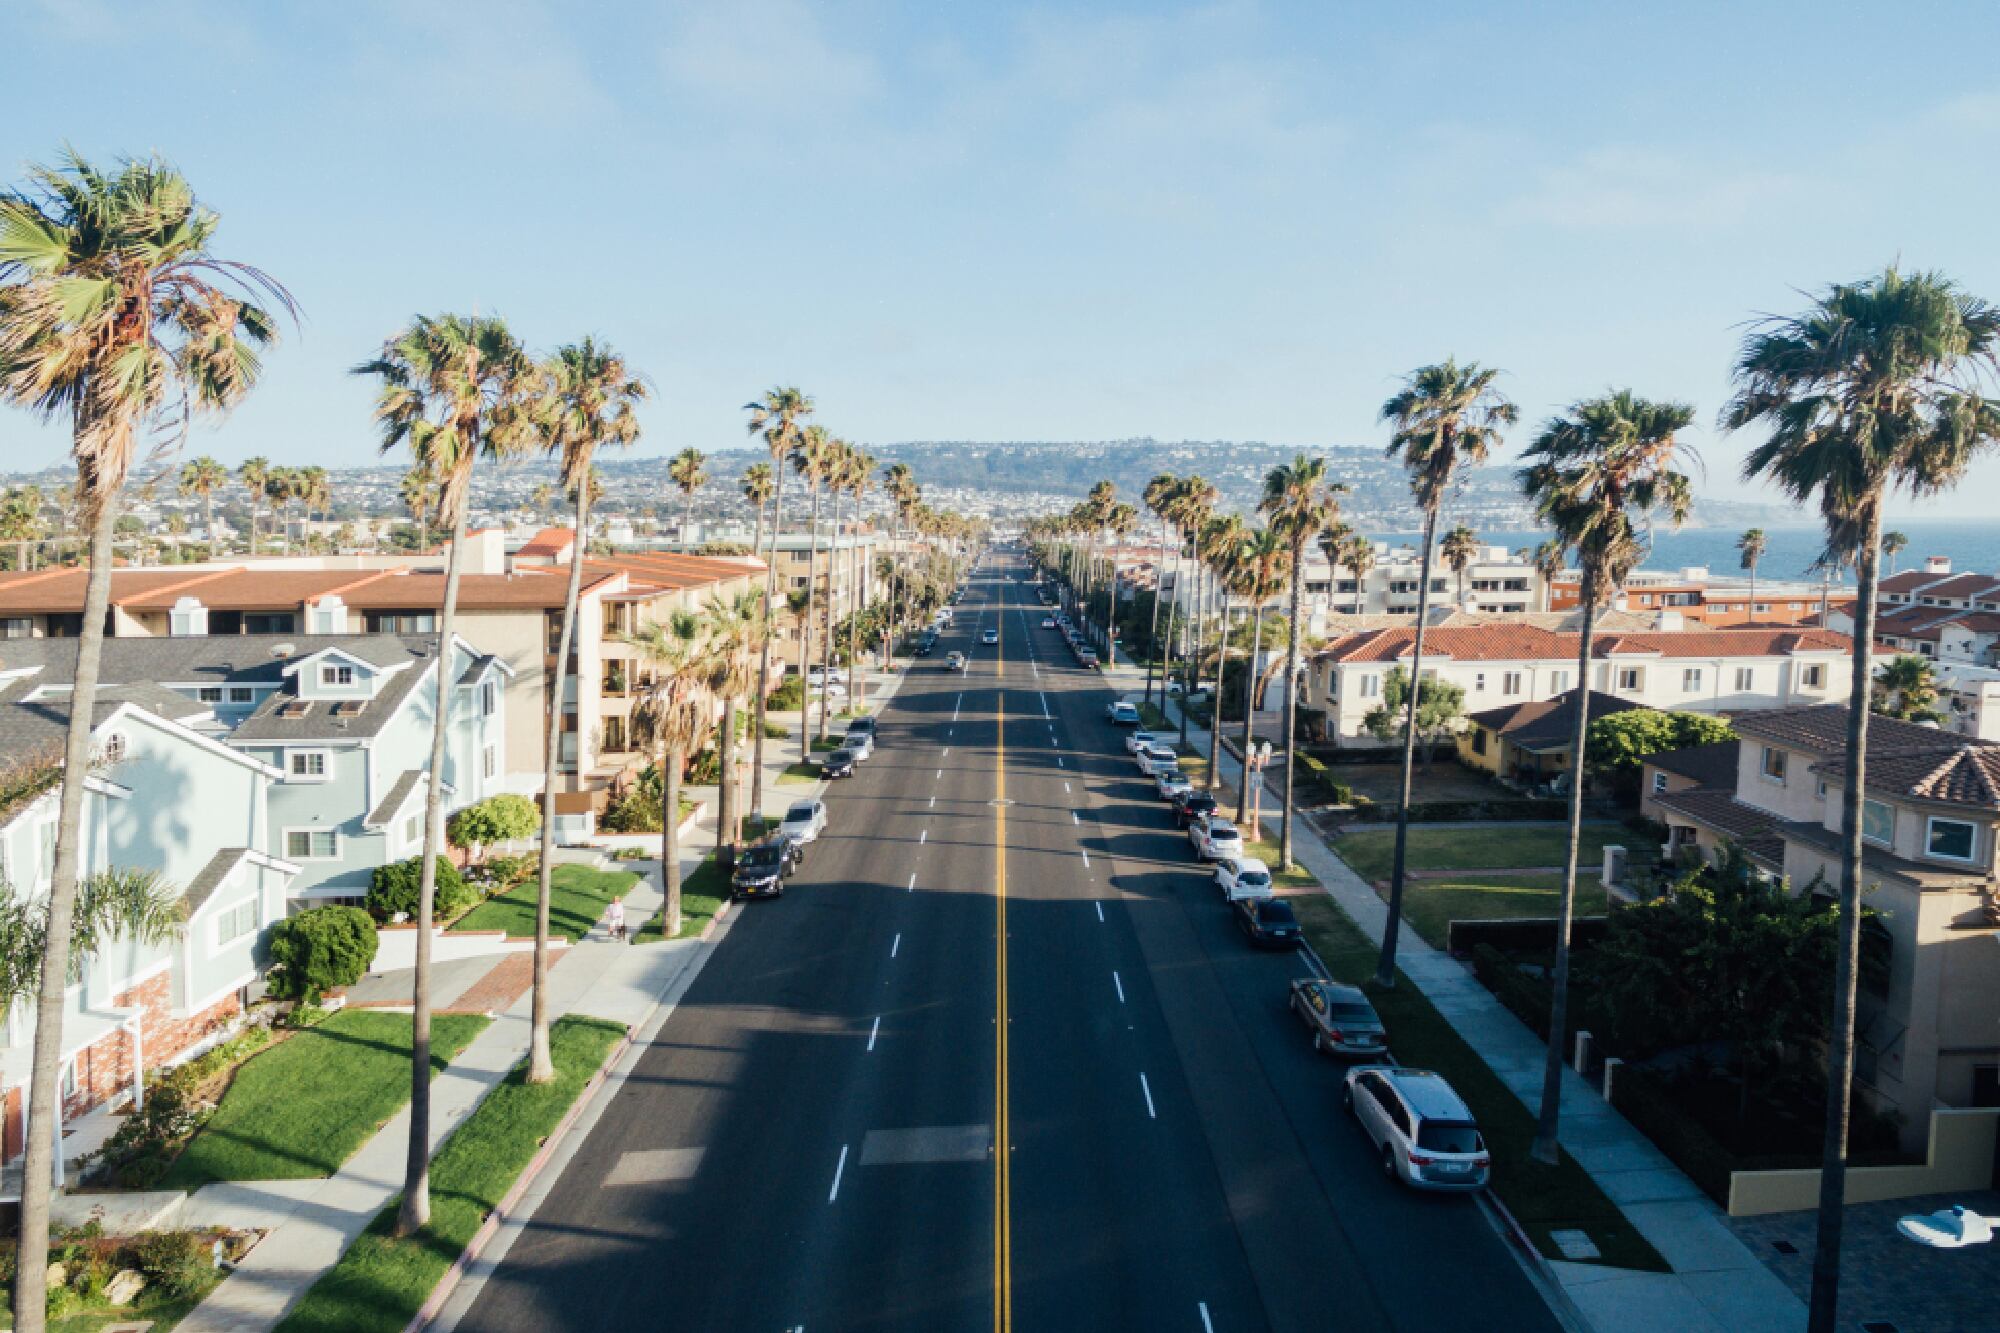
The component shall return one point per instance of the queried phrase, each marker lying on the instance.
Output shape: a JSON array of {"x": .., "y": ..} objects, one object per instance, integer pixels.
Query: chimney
[
  {"x": 188, "y": 619},
  {"x": 1937, "y": 564},
  {"x": 328, "y": 615}
]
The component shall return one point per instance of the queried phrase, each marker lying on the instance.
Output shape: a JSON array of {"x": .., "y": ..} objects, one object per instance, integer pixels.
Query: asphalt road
[{"x": 998, "y": 1057}]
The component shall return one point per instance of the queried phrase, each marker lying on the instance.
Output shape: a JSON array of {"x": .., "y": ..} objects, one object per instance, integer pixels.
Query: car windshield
[
  {"x": 1274, "y": 913},
  {"x": 761, "y": 858},
  {"x": 1448, "y": 1136},
  {"x": 799, "y": 814}
]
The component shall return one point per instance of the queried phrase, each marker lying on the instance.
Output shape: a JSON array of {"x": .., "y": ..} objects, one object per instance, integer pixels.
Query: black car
[
  {"x": 1269, "y": 922},
  {"x": 924, "y": 645},
  {"x": 838, "y": 764},
  {"x": 1191, "y": 804},
  {"x": 763, "y": 868}
]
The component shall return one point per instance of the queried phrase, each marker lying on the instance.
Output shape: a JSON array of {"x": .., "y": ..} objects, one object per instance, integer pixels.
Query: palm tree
[
  {"x": 1355, "y": 554},
  {"x": 255, "y": 474},
  {"x": 418, "y": 491},
  {"x": 811, "y": 458},
  {"x": 1875, "y": 387},
  {"x": 587, "y": 399},
  {"x": 1193, "y": 504},
  {"x": 1458, "y": 548},
  {"x": 116, "y": 316},
  {"x": 860, "y": 478},
  {"x": 204, "y": 477},
  {"x": 1906, "y": 689},
  {"x": 1893, "y": 545},
  {"x": 1261, "y": 568},
  {"x": 777, "y": 417},
  {"x": 1549, "y": 558},
  {"x": 1750, "y": 546},
  {"x": 901, "y": 486},
  {"x": 735, "y": 627},
  {"x": 1221, "y": 548},
  {"x": 672, "y": 714},
  {"x": 542, "y": 501},
  {"x": 1158, "y": 498},
  {"x": 757, "y": 490},
  {"x": 1594, "y": 475},
  {"x": 453, "y": 389},
  {"x": 1447, "y": 417},
  {"x": 688, "y": 473},
  {"x": 1301, "y": 506},
  {"x": 21, "y": 521}
]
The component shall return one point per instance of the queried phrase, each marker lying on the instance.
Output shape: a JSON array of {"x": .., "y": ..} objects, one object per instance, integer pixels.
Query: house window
[
  {"x": 1659, "y": 784},
  {"x": 233, "y": 924},
  {"x": 1479, "y": 740},
  {"x": 1814, "y": 677},
  {"x": 17, "y": 627},
  {"x": 312, "y": 844},
  {"x": 489, "y": 761},
  {"x": 308, "y": 765},
  {"x": 1949, "y": 839},
  {"x": 1819, "y": 789},
  {"x": 336, "y": 675},
  {"x": 1371, "y": 686},
  {"x": 1746, "y": 678},
  {"x": 1762, "y": 608},
  {"x": 1878, "y": 822},
  {"x": 242, "y": 694},
  {"x": 1558, "y": 681},
  {"x": 413, "y": 828},
  {"x": 1774, "y": 765},
  {"x": 1479, "y": 683},
  {"x": 1510, "y": 682},
  {"x": 1628, "y": 678},
  {"x": 209, "y": 694},
  {"x": 489, "y": 699},
  {"x": 114, "y": 748},
  {"x": 1691, "y": 679}
]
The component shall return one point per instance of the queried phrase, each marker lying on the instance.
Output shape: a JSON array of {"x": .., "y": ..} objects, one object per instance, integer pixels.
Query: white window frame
[
  {"x": 292, "y": 773},
  {"x": 1890, "y": 841},
  {"x": 1746, "y": 678},
  {"x": 1812, "y": 676},
  {"x": 1510, "y": 683},
  {"x": 1629, "y": 678},
  {"x": 1930, "y": 850},
  {"x": 336, "y": 674},
  {"x": 242, "y": 694},
  {"x": 222, "y": 916},
  {"x": 1659, "y": 784},
  {"x": 1764, "y": 765},
  {"x": 1690, "y": 679},
  {"x": 1479, "y": 682},
  {"x": 489, "y": 760},
  {"x": 413, "y": 830},
  {"x": 311, "y": 831},
  {"x": 489, "y": 700},
  {"x": 1558, "y": 681},
  {"x": 208, "y": 694}
]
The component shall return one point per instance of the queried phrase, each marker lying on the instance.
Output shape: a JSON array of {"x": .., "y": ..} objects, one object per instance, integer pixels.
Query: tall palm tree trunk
[
  {"x": 1385, "y": 969},
  {"x": 828, "y": 642},
  {"x": 806, "y": 632},
  {"x": 208, "y": 519},
  {"x": 670, "y": 840},
  {"x": 725, "y": 791},
  {"x": 38, "y": 1170},
  {"x": 763, "y": 685},
  {"x": 416, "y": 1206},
  {"x": 1249, "y": 709},
  {"x": 1823, "y": 1306},
  {"x": 856, "y": 598},
  {"x": 1153, "y": 627},
  {"x": 1191, "y": 645},
  {"x": 1549, "y": 1119},
  {"x": 541, "y": 1066},
  {"x": 1291, "y": 699},
  {"x": 1215, "y": 698}
]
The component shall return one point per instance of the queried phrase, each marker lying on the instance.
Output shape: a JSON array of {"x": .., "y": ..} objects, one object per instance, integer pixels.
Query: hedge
[
  {"x": 1643, "y": 1099},
  {"x": 1497, "y": 810},
  {"x": 1522, "y": 934}
]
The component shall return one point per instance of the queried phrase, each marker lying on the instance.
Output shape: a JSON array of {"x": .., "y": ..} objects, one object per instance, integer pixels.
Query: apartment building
[
  {"x": 842, "y": 569},
  {"x": 1925, "y": 1032},
  {"x": 1700, "y": 599},
  {"x": 1669, "y": 667}
]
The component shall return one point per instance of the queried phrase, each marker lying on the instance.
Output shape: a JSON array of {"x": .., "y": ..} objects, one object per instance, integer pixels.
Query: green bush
[
  {"x": 706, "y": 770},
  {"x": 636, "y": 811},
  {"x": 143, "y": 1147},
  {"x": 789, "y": 697},
  {"x": 320, "y": 948},
  {"x": 393, "y": 889},
  {"x": 501, "y": 818},
  {"x": 176, "y": 1262},
  {"x": 775, "y": 731},
  {"x": 302, "y": 1016},
  {"x": 1525, "y": 997}
]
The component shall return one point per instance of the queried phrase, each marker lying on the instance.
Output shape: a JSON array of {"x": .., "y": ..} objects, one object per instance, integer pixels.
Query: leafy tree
[
  {"x": 1622, "y": 741},
  {"x": 502, "y": 818},
  {"x": 319, "y": 949},
  {"x": 1440, "y": 703},
  {"x": 1907, "y": 689}
]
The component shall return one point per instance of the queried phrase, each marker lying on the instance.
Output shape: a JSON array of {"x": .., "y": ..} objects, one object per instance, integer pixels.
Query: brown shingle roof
[
  {"x": 1823, "y": 727},
  {"x": 1547, "y": 723},
  {"x": 1711, "y": 765},
  {"x": 1967, "y": 774}
]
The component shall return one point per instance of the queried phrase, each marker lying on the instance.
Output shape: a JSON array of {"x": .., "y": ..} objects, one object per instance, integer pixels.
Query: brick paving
[{"x": 507, "y": 982}]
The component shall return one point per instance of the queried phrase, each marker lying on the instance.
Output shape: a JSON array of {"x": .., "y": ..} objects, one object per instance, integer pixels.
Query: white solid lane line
[
  {"x": 1144, "y": 1087},
  {"x": 834, "y": 1193},
  {"x": 873, "y": 1031},
  {"x": 913, "y": 883},
  {"x": 1202, "y": 1306},
  {"x": 1114, "y": 981},
  {"x": 1100, "y": 911},
  {"x": 894, "y": 945},
  {"x": 955, "y": 707}
]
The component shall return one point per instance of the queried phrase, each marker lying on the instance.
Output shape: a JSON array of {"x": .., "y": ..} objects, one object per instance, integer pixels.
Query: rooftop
[{"x": 1504, "y": 642}]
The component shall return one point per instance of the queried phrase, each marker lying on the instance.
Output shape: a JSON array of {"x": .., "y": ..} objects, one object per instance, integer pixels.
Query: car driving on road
[
  {"x": 1214, "y": 838},
  {"x": 1048, "y": 622},
  {"x": 1339, "y": 1017},
  {"x": 763, "y": 868},
  {"x": 1269, "y": 922},
  {"x": 805, "y": 821},
  {"x": 954, "y": 662},
  {"x": 1243, "y": 877},
  {"x": 861, "y": 742},
  {"x": 1421, "y": 1128},
  {"x": 991, "y": 636}
]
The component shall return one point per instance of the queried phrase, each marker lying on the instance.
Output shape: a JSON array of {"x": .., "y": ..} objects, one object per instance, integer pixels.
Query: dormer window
[
  {"x": 308, "y": 765},
  {"x": 1950, "y": 839},
  {"x": 336, "y": 675}
]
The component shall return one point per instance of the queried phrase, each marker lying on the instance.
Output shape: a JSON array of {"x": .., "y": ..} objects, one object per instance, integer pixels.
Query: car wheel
[{"x": 1388, "y": 1161}]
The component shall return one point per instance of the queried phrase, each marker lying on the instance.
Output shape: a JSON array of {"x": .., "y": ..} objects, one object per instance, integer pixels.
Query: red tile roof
[
  {"x": 1524, "y": 643},
  {"x": 549, "y": 542}
]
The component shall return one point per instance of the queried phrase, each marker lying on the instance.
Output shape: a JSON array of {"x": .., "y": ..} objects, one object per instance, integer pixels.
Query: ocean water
[{"x": 1789, "y": 552}]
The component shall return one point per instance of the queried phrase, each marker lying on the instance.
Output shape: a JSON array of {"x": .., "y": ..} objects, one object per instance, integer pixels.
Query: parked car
[
  {"x": 866, "y": 724},
  {"x": 1243, "y": 877},
  {"x": 832, "y": 690},
  {"x": 838, "y": 763},
  {"x": 1170, "y": 782},
  {"x": 1339, "y": 1017},
  {"x": 1156, "y": 759},
  {"x": 1420, "y": 1127},
  {"x": 763, "y": 867},
  {"x": 1086, "y": 658},
  {"x": 804, "y": 821},
  {"x": 1136, "y": 741},
  {"x": 1214, "y": 837},
  {"x": 1122, "y": 714},
  {"x": 861, "y": 742},
  {"x": 990, "y": 637},
  {"x": 924, "y": 645},
  {"x": 1048, "y": 622},
  {"x": 955, "y": 662},
  {"x": 1269, "y": 922},
  {"x": 1191, "y": 805},
  {"x": 819, "y": 674}
]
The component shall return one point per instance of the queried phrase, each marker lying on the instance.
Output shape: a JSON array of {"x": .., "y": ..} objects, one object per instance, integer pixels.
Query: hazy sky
[{"x": 974, "y": 221}]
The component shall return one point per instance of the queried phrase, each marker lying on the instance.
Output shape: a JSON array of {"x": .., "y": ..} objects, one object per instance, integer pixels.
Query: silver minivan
[{"x": 1421, "y": 1128}]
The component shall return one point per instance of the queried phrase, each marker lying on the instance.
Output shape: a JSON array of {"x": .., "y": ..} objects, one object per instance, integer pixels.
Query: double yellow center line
[{"x": 1003, "y": 1187}]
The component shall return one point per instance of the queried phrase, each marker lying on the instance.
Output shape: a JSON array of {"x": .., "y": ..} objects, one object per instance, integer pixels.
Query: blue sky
[{"x": 1219, "y": 221}]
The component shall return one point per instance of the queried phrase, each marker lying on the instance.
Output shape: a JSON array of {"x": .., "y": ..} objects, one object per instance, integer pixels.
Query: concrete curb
[
  {"x": 430, "y": 1309},
  {"x": 1532, "y": 1261}
]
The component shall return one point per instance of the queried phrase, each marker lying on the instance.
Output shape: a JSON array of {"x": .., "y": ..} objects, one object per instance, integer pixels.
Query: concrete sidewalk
[{"x": 1718, "y": 1285}]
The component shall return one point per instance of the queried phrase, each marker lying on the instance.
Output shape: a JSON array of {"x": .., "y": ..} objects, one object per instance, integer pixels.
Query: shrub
[
  {"x": 1527, "y": 998},
  {"x": 635, "y": 811},
  {"x": 500, "y": 818},
  {"x": 789, "y": 696},
  {"x": 393, "y": 889},
  {"x": 320, "y": 948},
  {"x": 706, "y": 770},
  {"x": 143, "y": 1147},
  {"x": 303, "y": 1016},
  {"x": 507, "y": 871},
  {"x": 1645, "y": 1101},
  {"x": 776, "y": 731},
  {"x": 177, "y": 1262}
]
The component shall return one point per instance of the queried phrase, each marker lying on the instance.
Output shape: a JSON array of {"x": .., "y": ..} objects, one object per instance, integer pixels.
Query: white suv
[
  {"x": 1214, "y": 838},
  {"x": 1157, "y": 759},
  {"x": 1422, "y": 1130},
  {"x": 1242, "y": 877},
  {"x": 1136, "y": 741}
]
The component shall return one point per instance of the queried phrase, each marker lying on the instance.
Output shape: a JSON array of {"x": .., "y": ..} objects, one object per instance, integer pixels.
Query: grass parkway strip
[{"x": 382, "y": 1281}]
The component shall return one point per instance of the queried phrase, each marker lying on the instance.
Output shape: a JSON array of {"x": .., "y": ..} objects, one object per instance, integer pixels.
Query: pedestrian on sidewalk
[{"x": 614, "y": 920}]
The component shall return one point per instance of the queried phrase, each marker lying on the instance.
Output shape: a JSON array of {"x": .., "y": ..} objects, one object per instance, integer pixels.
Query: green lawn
[
  {"x": 1490, "y": 847},
  {"x": 803, "y": 773},
  {"x": 578, "y": 895},
  {"x": 1431, "y": 905},
  {"x": 1266, "y": 850},
  {"x": 301, "y": 1108},
  {"x": 381, "y": 1282},
  {"x": 703, "y": 892},
  {"x": 1542, "y": 1198}
]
